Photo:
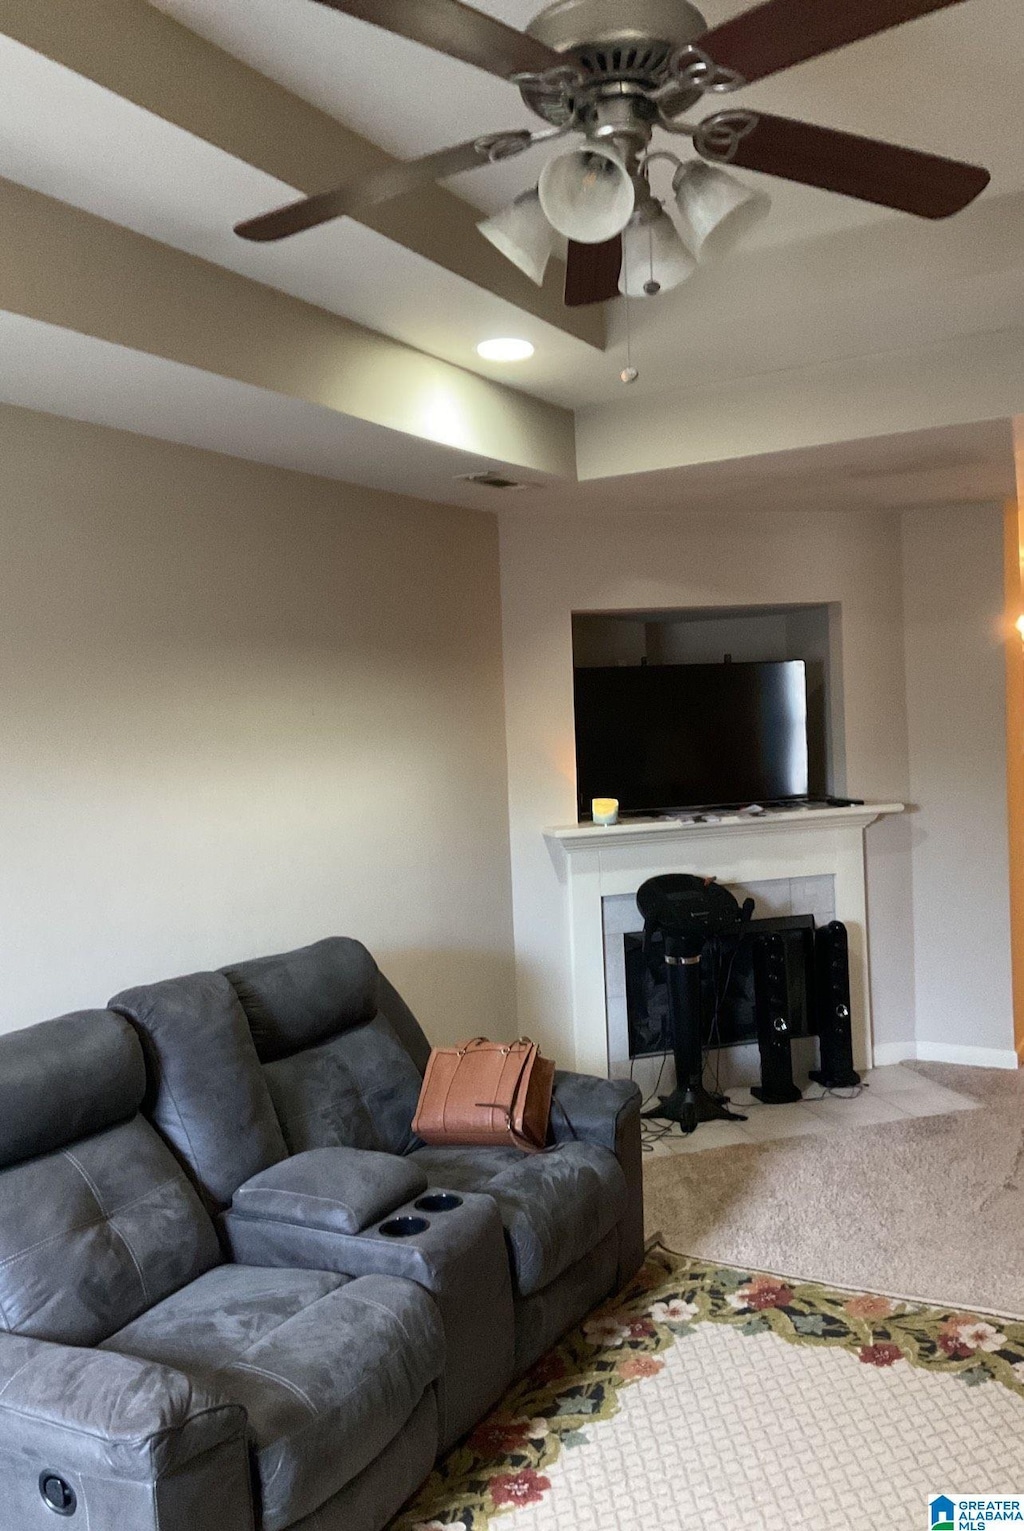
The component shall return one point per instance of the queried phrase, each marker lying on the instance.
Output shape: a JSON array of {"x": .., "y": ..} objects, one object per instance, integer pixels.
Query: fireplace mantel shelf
[{"x": 591, "y": 837}]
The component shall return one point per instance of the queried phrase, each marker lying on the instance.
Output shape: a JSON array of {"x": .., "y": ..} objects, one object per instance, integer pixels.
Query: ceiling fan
[{"x": 613, "y": 71}]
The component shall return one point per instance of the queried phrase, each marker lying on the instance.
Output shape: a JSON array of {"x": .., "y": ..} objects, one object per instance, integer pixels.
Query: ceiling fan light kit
[
  {"x": 614, "y": 72},
  {"x": 523, "y": 235},
  {"x": 587, "y": 194},
  {"x": 715, "y": 209},
  {"x": 654, "y": 258}
]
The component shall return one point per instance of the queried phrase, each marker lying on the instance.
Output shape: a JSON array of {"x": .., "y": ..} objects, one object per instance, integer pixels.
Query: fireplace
[
  {"x": 778, "y": 901},
  {"x": 803, "y": 850}
]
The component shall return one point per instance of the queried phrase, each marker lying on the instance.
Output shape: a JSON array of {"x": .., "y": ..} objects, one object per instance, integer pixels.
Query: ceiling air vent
[{"x": 492, "y": 480}]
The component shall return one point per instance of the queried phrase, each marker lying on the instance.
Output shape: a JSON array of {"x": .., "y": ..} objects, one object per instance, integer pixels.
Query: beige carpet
[{"x": 931, "y": 1208}]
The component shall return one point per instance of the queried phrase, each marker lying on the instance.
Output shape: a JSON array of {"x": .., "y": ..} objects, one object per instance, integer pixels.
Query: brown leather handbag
[{"x": 486, "y": 1094}]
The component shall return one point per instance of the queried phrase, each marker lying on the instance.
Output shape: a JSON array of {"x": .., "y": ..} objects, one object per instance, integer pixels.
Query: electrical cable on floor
[
  {"x": 848, "y": 1093},
  {"x": 651, "y": 1134}
]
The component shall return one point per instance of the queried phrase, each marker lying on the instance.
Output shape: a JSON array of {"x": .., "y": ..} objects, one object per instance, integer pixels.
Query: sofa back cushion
[
  {"x": 297, "y": 999},
  {"x": 98, "y": 1222},
  {"x": 343, "y": 1056},
  {"x": 65, "y": 1078},
  {"x": 206, "y": 1093}
]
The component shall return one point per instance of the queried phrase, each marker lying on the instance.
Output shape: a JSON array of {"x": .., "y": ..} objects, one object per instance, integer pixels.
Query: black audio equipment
[
  {"x": 727, "y": 986},
  {"x": 685, "y": 911},
  {"x": 832, "y": 1004},
  {"x": 771, "y": 1009}
]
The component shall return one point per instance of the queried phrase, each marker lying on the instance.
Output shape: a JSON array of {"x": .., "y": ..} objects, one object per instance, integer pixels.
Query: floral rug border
[{"x": 501, "y": 1465}]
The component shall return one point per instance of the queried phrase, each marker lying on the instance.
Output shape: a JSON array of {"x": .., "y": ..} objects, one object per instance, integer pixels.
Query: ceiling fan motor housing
[{"x": 621, "y": 49}]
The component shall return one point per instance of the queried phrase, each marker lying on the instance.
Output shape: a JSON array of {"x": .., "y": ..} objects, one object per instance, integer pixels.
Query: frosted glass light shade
[
  {"x": 523, "y": 235},
  {"x": 587, "y": 194},
  {"x": 653, "y": 251},
  {"x": 716, "y": 210}
]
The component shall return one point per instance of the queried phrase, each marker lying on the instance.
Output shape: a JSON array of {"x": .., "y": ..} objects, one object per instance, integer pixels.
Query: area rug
[
  {"x": 706, "y": 1396},
  {"x": 930, "y": 1208}
]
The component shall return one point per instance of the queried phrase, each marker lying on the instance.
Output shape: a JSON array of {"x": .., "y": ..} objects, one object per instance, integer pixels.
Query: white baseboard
[
  {"x": 973, "y": 1057},
  {"x": 945, "y": 1052},
  {"x": 894, "y": 1052}
]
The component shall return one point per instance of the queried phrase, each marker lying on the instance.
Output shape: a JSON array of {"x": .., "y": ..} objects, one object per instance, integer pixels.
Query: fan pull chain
[
  {"x": 629, "y": 373},
  {"x": 652, "y": 286}
]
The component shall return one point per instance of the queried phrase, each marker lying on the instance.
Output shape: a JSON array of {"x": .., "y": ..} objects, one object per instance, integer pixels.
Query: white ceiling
[
  {"x": 71, "y": 139},
  {"x": 81, "y": 378},
  {"x": 811, "y": 291},
  {"x": 823, "y": 279}
]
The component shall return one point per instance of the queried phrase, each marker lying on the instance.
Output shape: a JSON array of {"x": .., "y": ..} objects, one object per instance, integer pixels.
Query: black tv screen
[{"x": 661, "y": 737}]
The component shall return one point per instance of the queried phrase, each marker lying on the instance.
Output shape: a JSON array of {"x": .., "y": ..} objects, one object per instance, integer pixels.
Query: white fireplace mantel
[{"x": 599, "y": 862}]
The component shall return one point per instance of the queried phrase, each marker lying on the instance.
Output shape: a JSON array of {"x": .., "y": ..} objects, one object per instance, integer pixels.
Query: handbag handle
[
  {"x": 505, "y": 1047},
  {"x": 509, "y": 1107}
]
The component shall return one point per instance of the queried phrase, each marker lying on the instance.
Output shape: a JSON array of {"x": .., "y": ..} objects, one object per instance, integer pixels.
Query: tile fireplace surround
[{"x": 604, "y": 864}]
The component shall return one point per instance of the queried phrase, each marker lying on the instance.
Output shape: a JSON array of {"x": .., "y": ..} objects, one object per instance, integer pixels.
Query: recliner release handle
[{"x": 56, "y": 1493}]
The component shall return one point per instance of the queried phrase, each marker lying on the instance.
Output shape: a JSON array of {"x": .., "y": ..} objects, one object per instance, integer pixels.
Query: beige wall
[
  {"x": 552, "y": 566},
  {"x": 1013, "y": 613},
  {"x": 956, "y": 714},
  {"x": 242, "y": 709}
]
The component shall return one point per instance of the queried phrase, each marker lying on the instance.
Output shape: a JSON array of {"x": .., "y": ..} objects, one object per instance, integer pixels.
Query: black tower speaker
[
  {"x": 832, "y": 1003},
  {"x": 771, "y": 1010}
]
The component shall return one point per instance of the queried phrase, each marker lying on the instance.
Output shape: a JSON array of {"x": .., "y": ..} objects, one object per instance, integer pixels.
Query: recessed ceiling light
[{"x": 505, "y": 350}]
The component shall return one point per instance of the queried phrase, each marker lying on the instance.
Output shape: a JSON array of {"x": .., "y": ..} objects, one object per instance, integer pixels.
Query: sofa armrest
[
  {"x": 138, "y": 1445},
  {"x": 607, "y": 1112},
  {"x": 336, "y": 1190},
  {"x": 593, "y": 1110}
]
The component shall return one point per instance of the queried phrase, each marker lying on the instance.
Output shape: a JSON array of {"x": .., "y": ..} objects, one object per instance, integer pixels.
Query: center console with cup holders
[{"x": 357, "y": 1211}]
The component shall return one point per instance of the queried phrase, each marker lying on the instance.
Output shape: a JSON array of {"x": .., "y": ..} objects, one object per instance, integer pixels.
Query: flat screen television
[{"x": 662, "y": 737}]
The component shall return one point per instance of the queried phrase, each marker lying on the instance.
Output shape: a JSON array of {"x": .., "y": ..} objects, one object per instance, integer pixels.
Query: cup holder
[
  {"x": 403, "y": 1227},
  {"x": 438, "y": 1201}
]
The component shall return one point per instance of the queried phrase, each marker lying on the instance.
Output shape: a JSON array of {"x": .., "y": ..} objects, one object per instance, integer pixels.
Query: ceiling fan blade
[
  {"x": 357, "y": 196},
  {"x": 906, "y": 179},
  {"x": 459, "y": 30},
  {"x": 780, "y": 33},
  {"x": 592, "y": 272}
]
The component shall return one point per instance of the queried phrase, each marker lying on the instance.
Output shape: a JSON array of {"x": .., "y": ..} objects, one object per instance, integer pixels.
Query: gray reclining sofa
[
  {"x": 146, "y": 1383},
  {"x": 237, "y": 1291}
]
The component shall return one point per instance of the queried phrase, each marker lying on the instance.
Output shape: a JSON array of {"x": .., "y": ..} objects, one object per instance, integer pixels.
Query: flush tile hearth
[{"x": 891, "y": 1094}]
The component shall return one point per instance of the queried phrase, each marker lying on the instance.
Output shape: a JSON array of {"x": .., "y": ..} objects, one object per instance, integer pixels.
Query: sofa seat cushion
[
  {"x": 555, "y": 1206},
  {"x": 328, "y": 1369}
]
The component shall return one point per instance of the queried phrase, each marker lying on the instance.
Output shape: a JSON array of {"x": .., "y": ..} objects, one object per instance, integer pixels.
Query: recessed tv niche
[{"x": 666, "y": 736}]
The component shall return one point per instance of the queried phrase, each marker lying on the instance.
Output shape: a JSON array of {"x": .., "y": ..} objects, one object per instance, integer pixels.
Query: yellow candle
[{"x": 605, "y": 810}]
